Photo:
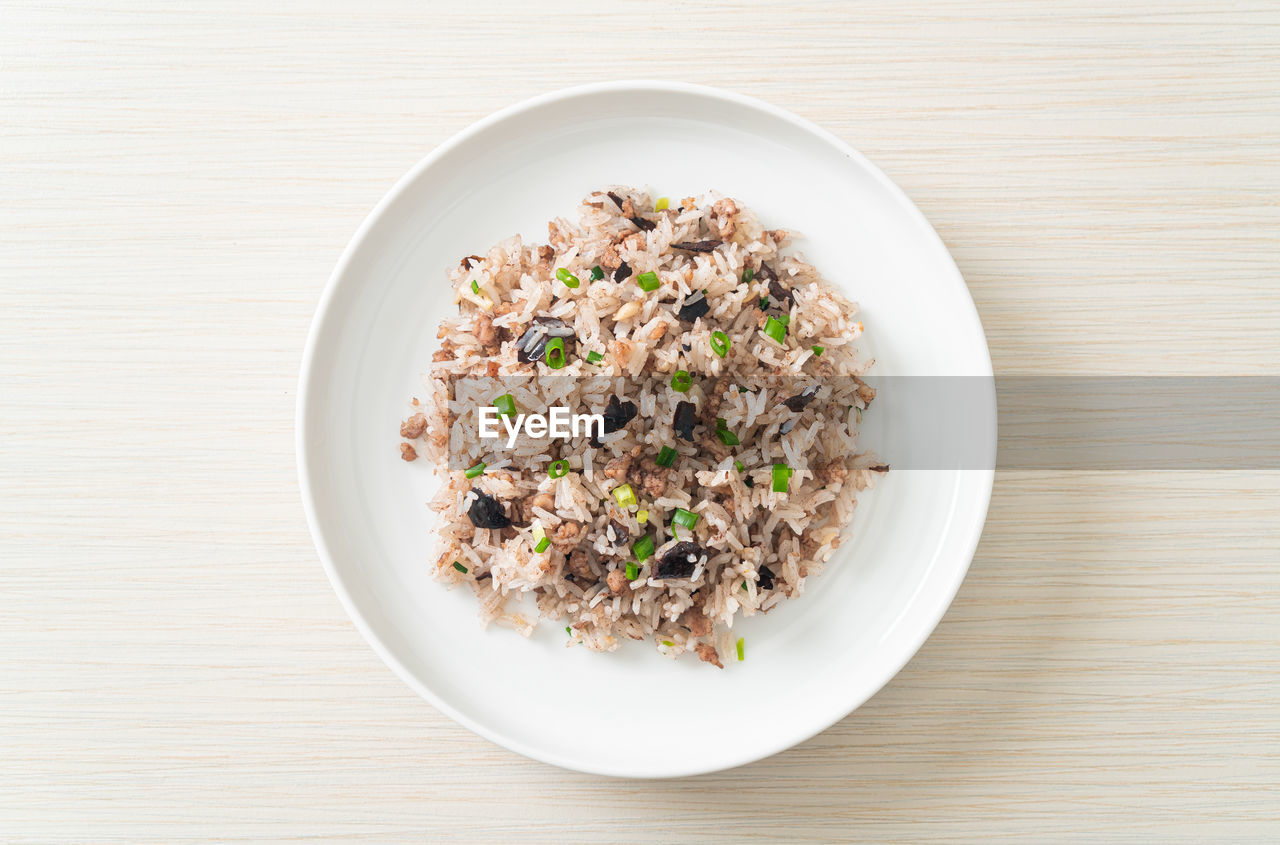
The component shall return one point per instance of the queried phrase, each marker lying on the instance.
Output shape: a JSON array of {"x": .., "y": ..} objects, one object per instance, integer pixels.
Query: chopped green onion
[
  {"x": 648, "y": 281},
  {"x": 781, "y": 478},
  {"x": 738, "y": 466},
  {"x": 458, "y": 566},
  {"x": 817, "y": 350},
  {"x": 747, "y": 275},
  {"x": 633, "y": 571},
  {"x": 785, "y": 319},
  {"x": 540, "y": 539},
  {"x": 594, "y": 357},
  {"x": 554, "y": 356},
  {"x": 625, "y": 495},
  {"x": 764, "y": 303},
  {"x": 662, "y": 204},
  {"x": 558, "y": 468},
  {"x": 668, "y": 643},
  {"x": 642, "y": 517},
  {"x": 684, "y": 518},
  {"x": 570, "y": 280},
  {"x": 568, "y": 630},
  {"x": 643, "y": 548},
  {"x": 506, "y": 405},
  {"x": 742, "y": 653},
  {"x": 720, "y": 343},
  {"x": 726, "y": 436},
  {"x": 681, "y": 381},
  {"x": 749, "y": 481},
  {"x": 745, "y": 587},
  {"x": 859, "y": 415},
  {"x": 475, "y": 287},
  {"x": 775, "y": 329},
  {"x": 666, "y": 457},
  {"x": 597, "y": 273},
  {"x": 472, "y": 472}
]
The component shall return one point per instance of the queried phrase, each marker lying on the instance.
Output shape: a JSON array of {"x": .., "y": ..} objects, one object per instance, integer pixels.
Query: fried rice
[{"x": 727, "y": 376}]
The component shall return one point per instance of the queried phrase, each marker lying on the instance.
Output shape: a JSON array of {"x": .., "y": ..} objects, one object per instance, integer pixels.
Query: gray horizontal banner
[
  {"x": 1138, "y": 422},
  {"x": 1091, "y": 423}
]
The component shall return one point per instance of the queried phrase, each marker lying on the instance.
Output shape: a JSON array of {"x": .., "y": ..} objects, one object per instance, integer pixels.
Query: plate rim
[{"x": 984, "y": 477}]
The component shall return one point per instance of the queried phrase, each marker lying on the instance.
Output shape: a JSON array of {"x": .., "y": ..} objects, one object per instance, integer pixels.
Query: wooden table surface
[{"x": 177, "y": 183}]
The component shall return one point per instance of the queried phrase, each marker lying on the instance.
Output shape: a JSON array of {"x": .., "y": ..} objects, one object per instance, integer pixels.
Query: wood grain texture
[{"x": 177, "y": 184}]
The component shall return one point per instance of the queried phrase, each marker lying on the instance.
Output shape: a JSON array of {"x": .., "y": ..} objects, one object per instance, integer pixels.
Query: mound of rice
[{"x": 778, "y": 409}]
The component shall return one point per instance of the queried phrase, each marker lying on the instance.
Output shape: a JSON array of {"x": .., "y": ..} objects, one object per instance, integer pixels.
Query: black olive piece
[
  {"x": 766, "y": 578},
  {"x": 797, "y": 403},
  {"x": 533, "y": 353},
  {"x": 694, "y": 308},
  {"x": 617, "y": 414},
  {"x": 622, "y": 273},
  {"x": 780, "y": 292},
  {"x": 487, "y": 512},
  {"x": 646, "y": 225},
  {"x": 685, "y": 417},
  {"x": 555, "y": 326},
  {"x": 686, "y": 347},
  {"x": 533, "y": 343},
  {"x": 620, "y": 532},
  {"x": 698, "y": 246},
  {"x": 676, "y": 563},
  {"x": 786, "y": 427}
]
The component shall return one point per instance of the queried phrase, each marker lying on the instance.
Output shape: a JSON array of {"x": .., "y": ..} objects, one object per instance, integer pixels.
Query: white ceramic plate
[{"x": 633, "y": 712}]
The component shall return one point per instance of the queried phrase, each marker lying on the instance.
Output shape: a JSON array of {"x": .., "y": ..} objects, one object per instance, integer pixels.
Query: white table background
[{"x": 176, "y": 183}]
